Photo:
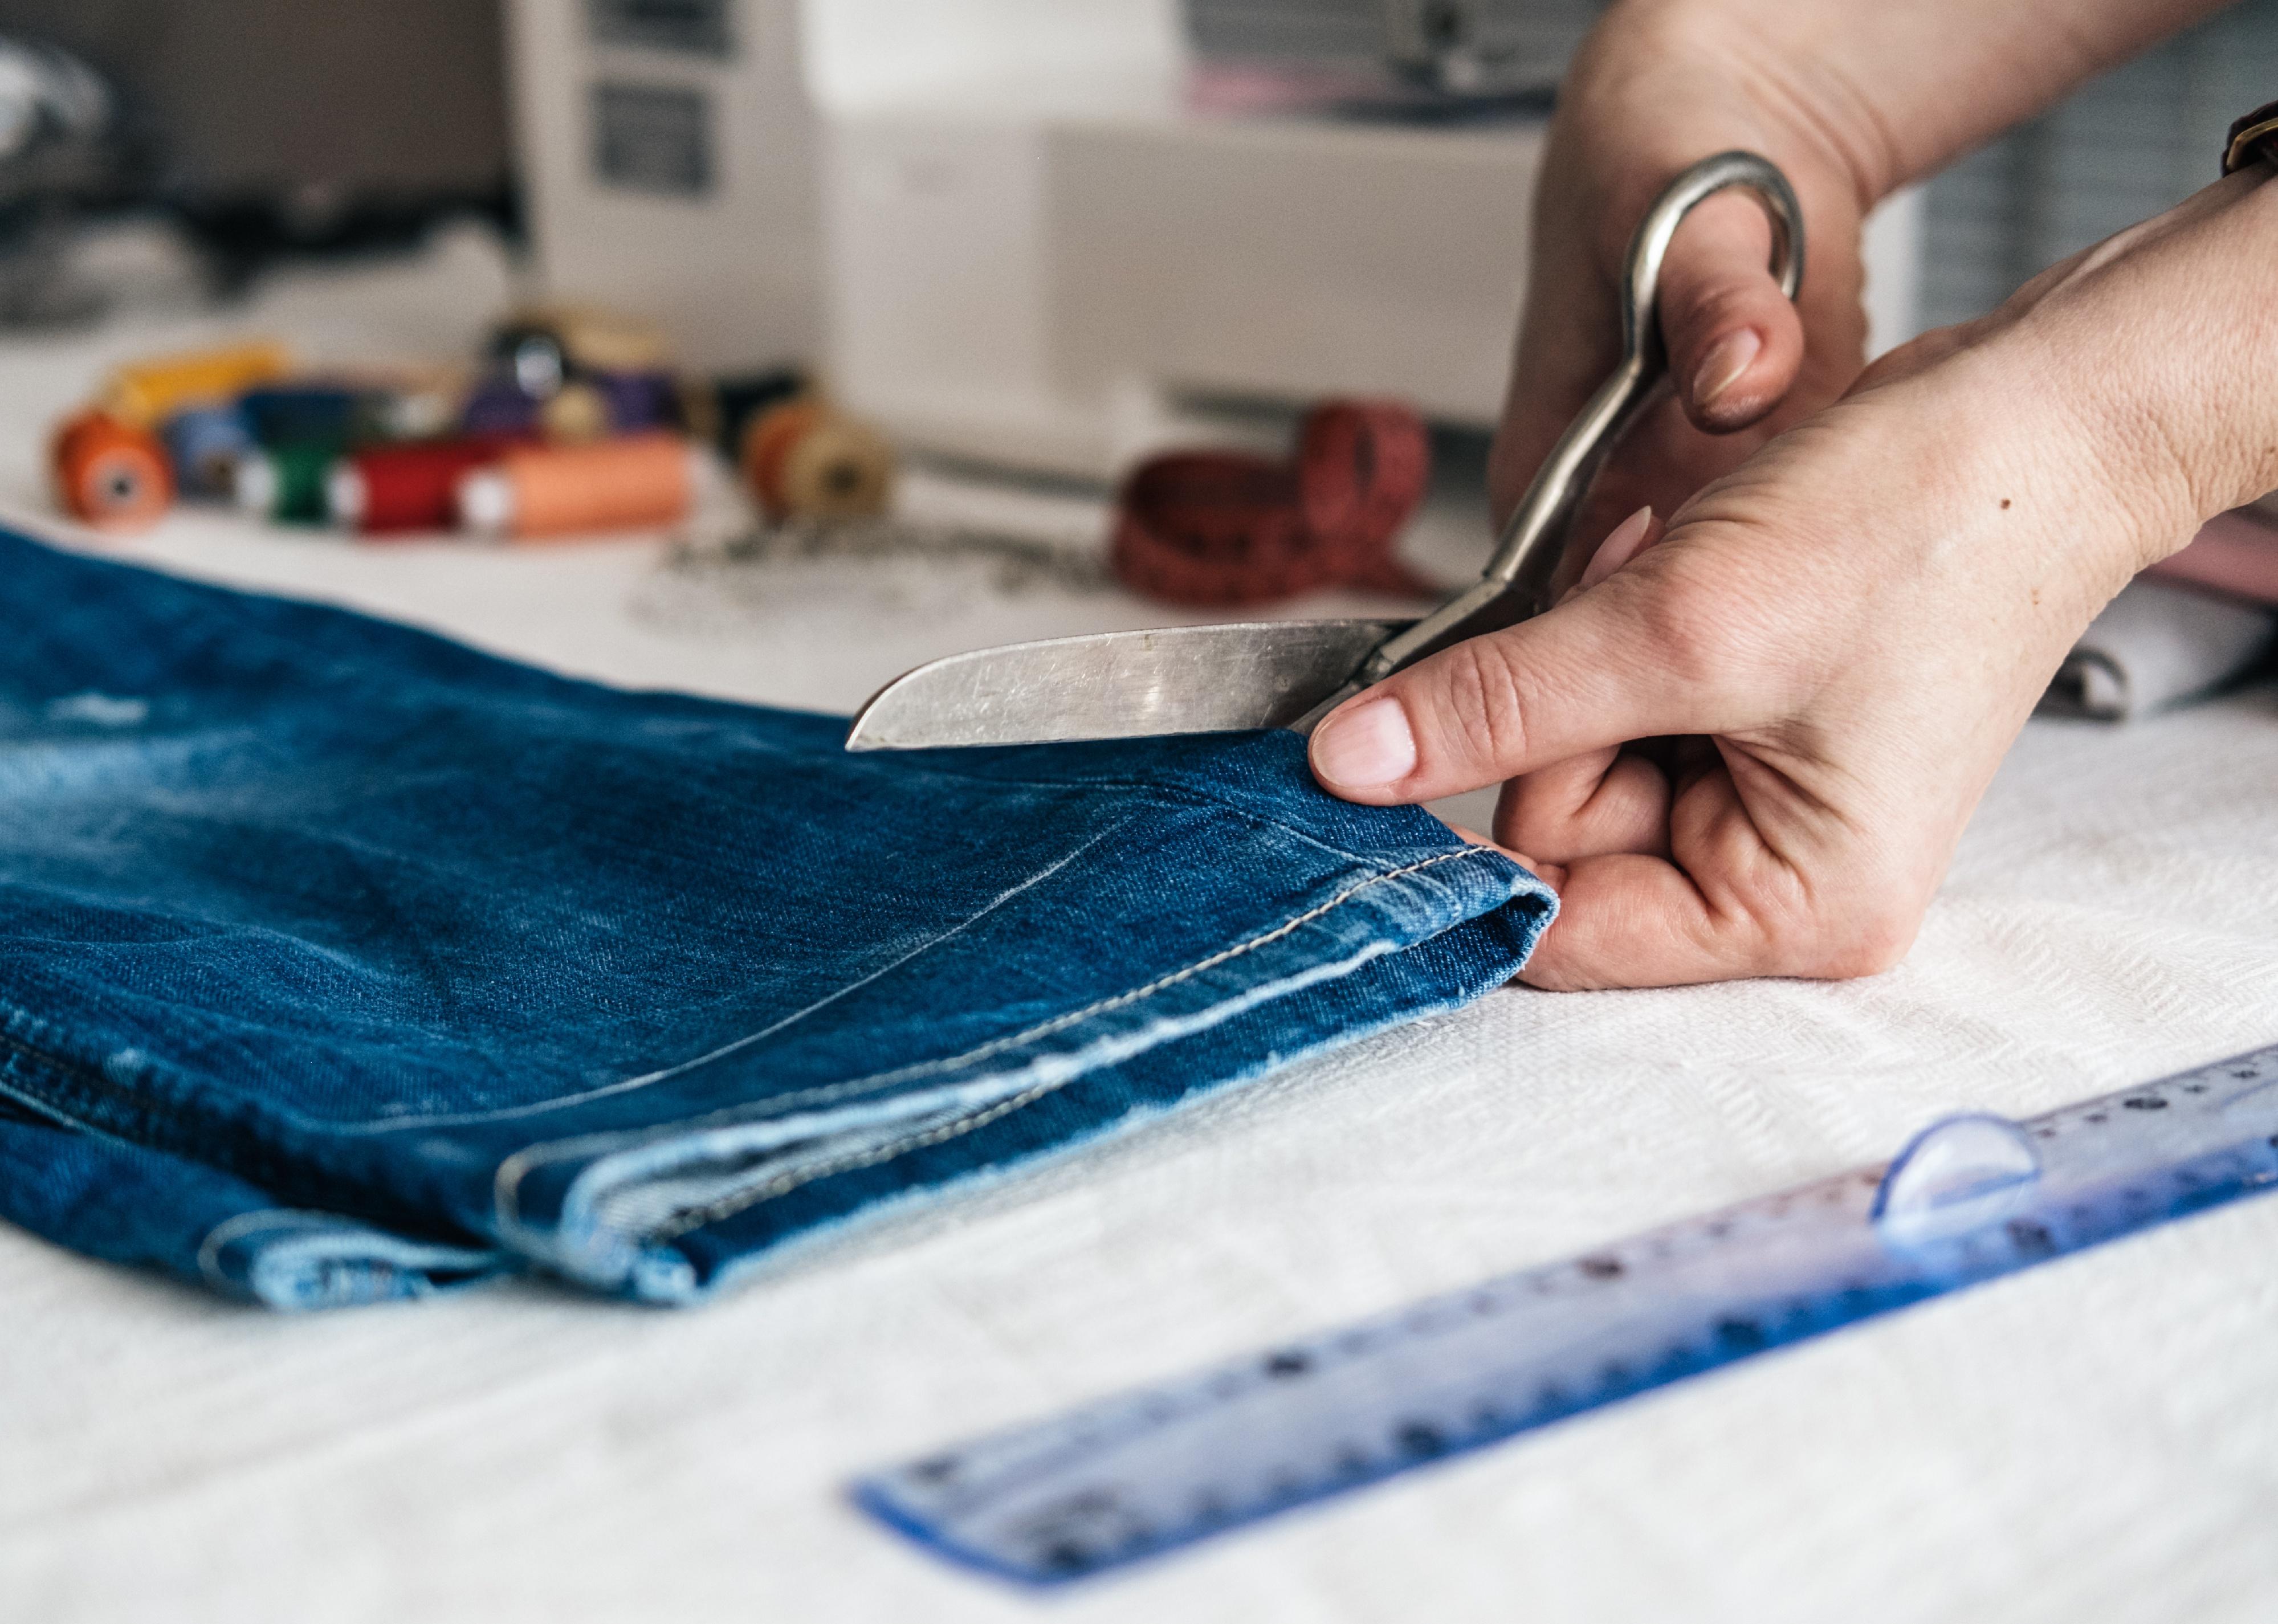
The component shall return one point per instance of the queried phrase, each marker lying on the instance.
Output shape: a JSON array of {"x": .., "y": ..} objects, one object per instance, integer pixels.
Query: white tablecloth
[{"x": 2094, "y": 1440}]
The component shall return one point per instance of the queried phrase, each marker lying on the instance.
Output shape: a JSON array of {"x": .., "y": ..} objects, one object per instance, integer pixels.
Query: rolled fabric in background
[{"x": 2158, "y": 644}]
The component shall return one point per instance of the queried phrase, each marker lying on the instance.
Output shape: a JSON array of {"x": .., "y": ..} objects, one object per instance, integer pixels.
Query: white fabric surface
[{"x": 2092, "y": 1441}]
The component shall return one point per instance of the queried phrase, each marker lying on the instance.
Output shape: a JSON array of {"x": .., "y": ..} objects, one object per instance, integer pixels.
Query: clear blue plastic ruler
[{"x": 1970, "y": 1198}]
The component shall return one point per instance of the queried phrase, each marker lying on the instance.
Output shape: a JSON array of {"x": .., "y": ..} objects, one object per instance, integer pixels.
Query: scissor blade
[{"x": 1119, "y": 686}]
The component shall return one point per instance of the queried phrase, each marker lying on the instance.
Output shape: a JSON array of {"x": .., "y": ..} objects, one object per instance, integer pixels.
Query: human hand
[
  {"x": 1751, "y": 749},
  {"x": 1657, "y": 87},
  {"x": 1851, "y": 100}
]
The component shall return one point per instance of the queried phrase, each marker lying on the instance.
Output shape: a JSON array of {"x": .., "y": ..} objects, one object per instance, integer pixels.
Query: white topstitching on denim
[{"x": 506, "y": 1182}]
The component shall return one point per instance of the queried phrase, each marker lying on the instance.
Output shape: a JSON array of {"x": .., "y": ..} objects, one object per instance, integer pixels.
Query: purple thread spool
[
  {"x": 638, "y": 400},
  {"x": 498, "y": 406}
]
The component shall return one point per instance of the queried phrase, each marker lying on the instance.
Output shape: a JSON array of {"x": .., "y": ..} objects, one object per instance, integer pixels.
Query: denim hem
[{"x": 616, "y": 1221}]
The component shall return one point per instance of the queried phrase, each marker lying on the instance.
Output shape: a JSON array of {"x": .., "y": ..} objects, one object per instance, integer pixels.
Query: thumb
[
  {"x": 1735, "y": 342},
  {"x": 1599, "y": 670}
]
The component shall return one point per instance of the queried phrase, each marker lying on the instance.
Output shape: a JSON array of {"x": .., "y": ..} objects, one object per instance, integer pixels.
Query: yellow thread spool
[{"x": 144, "y": 391}]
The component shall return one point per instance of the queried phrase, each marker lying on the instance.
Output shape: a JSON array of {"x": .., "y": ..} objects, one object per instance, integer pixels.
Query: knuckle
[
  {"x": 1867, "y": 943},
  {"x": 1844, "y": 938},
  {"x": 1687, "y": 626},
  {"x": 1483, "y": 720}
]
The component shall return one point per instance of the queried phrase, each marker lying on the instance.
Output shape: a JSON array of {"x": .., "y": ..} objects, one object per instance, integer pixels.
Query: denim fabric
[{"x": 340, "y": 962}]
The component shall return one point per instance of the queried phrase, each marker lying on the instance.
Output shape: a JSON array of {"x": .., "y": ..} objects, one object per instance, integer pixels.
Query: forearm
[{"x": 1899, "y": 88}]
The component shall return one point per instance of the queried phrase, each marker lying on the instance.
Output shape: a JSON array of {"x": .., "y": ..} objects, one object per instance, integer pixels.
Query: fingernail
[
  {"x": 1365, "y": 747},
  {"x": 1618, "y": 549},
  {"x": 1729, "y": 357}
]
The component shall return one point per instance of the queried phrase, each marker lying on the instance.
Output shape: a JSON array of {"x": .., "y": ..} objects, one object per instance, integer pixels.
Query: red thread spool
[
  {"x": 392, "y": 488},
  {"x": 111, "y": 475},
  {"x": 1221, "y": 529},
  {"x": 643, "y": 479}
]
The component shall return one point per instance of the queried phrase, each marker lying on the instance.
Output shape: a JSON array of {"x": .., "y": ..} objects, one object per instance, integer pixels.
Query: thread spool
[
  {"x": 145, "y": 393},
  {"x": 536, "y": 490},
  {"x": 110, "y": 474},
  {"x": 338, "y": 415},
  {"x": 724, "y": 410},
  {"x": 287, "y": 484},
  {"x": 574, "y": 414},
  {"x": 1221, "y": 529},
  {"x": 638, "y": 401},
  {"x": 545, "y": 345},
  {"x": 603, "y": 403},
  {"x": 204, "y": 443},
  {"x": 803, "y": 460},
  {"x": 392, "y": 488},
  {"x": 498, "y": 406}
]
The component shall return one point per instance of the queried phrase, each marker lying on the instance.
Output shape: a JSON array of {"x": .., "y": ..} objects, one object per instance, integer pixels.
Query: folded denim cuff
[
  {"x": 631, "y": 1212},
  {"x": 130, "y": 1205}
]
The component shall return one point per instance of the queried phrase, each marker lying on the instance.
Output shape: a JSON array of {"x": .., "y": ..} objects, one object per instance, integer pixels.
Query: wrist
[
  {"x": 2029, "y": 488},
  {"x": 2161, "y": 351},
  {"x": 1661, "y": 84},
  {"x": 1891, "y": 93}
]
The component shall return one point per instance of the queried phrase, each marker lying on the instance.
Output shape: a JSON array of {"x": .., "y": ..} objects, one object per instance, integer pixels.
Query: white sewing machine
[{"x": 1025, "y": 232}]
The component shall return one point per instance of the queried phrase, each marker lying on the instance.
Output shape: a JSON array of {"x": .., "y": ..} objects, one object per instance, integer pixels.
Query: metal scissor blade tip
[{"x": 1119, "y": 686}]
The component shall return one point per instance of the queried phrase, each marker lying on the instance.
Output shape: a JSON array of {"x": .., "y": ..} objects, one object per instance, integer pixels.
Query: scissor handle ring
[
  {"x": 1520, "y": 578},
  {"x": 1649, "y": 245}
]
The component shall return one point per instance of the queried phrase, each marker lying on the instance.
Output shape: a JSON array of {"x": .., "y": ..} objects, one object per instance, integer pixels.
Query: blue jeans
[{"x": 338, "y": 961}]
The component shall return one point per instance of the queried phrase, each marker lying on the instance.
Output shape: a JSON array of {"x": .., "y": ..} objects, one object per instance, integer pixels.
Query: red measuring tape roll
[
  {"x": 1214, "y": 527},
  {"x": 1220, "y": 529},
  {"x": 110, "y": 473}
]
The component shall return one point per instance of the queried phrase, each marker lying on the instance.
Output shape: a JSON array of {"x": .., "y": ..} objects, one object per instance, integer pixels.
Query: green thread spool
[{"x": 287, "y": 484}]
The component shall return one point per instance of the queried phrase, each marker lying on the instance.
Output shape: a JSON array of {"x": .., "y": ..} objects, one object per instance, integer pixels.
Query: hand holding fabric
[{"x": 1752, "y": 748}]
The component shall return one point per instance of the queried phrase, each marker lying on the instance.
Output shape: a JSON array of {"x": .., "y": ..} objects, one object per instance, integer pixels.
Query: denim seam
[
  {"x": 518, "y": 1166},
  {"x": 176, "y": 1126},
  {"x": 70, "y": 1068},
  {"x": 240, "y": 1224},
  {"x": 45, "y": 1113},
  {"x": 1186, "y": 792},
  {"x": 743, "y": 1200}
]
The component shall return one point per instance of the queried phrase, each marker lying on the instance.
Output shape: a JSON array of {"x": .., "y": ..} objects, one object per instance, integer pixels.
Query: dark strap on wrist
[{"x": 2253, "y": 139}]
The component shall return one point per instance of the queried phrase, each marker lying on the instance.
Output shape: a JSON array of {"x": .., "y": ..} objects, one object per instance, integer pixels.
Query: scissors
[{"x": 1290, "y": 674}]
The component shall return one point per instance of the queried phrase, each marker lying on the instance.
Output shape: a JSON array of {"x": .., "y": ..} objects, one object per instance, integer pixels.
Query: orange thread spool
[
  {"x": 643, "y": 479},
  {"x": 804, "y": 459},
  {"x": 111, "y": 475}
]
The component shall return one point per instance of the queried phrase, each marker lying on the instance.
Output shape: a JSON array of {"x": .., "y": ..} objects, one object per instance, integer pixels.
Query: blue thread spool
[
  {"x": 204, "y": 443},
  {"x": 305, "y": 415}
]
